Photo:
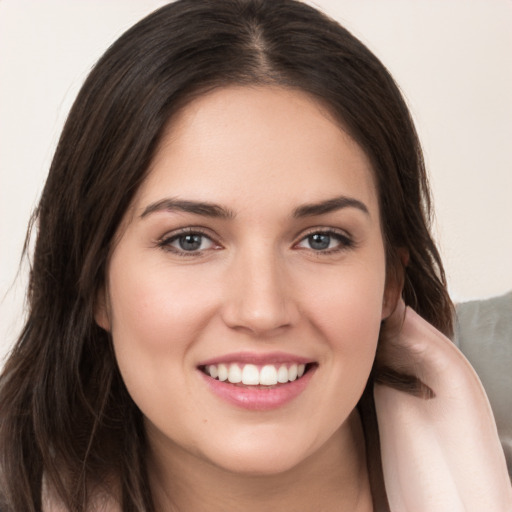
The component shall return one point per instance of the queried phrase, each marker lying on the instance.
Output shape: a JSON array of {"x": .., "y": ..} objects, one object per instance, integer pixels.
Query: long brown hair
[{"x": 65, "y": 412}]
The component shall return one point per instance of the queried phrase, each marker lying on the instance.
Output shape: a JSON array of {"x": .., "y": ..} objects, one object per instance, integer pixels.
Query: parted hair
[{"x": 66, "y": 417}]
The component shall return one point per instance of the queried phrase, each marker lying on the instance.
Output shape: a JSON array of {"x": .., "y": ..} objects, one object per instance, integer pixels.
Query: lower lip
[{"x": 255, "y": 398}]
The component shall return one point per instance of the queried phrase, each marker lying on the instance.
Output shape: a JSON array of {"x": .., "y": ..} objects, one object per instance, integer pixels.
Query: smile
[
  {"x": 258, "y": 383},
  {"x": 255, "y": 375}
]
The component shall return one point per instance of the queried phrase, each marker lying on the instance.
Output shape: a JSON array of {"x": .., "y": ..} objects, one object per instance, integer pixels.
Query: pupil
[
  {"x": 319, "y": 241},
  {"x": 190, "y": 242}
]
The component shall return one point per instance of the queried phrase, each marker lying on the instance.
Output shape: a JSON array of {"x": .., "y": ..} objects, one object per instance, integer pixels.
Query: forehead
[{"x": 241, "y": 145}]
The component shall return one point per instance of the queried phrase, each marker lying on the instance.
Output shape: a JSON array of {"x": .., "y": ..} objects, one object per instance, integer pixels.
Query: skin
[
  {"x": 256, "y": 285},
  {"x": 449, "y": 456}
]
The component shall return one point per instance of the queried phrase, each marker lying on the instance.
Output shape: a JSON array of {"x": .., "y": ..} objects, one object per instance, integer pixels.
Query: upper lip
[{"x": 257, "y": 358}]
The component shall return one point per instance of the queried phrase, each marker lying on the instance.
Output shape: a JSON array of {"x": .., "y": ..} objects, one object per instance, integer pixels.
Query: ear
[
  {"x": 394, "y": 282},
  {"x": 102, "y": 309}
]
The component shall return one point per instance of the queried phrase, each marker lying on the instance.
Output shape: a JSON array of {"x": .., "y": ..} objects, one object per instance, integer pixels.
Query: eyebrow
[
  {"x": 330, "y": 205},
  {"x": 213, "y": 210},
  {"x": 198, "y": 207}
]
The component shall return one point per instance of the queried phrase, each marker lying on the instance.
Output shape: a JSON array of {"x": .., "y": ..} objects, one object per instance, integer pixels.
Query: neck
[{"x": 333, "y": 479}]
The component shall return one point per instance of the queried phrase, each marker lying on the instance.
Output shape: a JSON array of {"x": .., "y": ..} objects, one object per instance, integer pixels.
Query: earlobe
[
  {"x": 394, "y": 282},
  {"x": 390, "y": 299},
  {"x": 101, "y": 310}
]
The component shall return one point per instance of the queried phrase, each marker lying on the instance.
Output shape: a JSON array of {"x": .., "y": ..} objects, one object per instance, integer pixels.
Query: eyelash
[
  {"x": 166, "y": 241},
  {"x": 344, "y": 241}
]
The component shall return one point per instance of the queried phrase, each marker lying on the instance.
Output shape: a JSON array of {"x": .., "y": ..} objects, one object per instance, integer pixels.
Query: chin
[
  {"x": 263, "y": 452},
  {"x": 262, "y": 464}
]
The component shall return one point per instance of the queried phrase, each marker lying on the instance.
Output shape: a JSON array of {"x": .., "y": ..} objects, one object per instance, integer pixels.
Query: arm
[{"x": 440, "y": 454}]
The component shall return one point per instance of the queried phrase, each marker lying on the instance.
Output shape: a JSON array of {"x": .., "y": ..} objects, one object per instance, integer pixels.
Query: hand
[{"x": 440, "y": 453}]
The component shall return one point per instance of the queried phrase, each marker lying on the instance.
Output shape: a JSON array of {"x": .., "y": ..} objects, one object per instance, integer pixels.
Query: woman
[{"x": 235, "y": 208}]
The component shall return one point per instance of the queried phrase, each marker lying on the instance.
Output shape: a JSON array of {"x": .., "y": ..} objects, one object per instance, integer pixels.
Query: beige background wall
[{"x": 452, "y": 58}]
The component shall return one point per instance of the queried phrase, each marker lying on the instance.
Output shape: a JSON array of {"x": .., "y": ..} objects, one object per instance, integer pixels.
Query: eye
[
  {"x": 325, "y": 241},
  {"x": 188, "y": 242}
]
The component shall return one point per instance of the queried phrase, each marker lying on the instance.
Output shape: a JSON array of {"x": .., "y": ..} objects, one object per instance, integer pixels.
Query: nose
[{"x": 259, "y": 296}]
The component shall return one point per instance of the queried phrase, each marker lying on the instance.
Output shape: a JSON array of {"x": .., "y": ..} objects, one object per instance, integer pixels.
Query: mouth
[
  {"x": 260, "y": 376},
  {"x": 258, "y": 382}
]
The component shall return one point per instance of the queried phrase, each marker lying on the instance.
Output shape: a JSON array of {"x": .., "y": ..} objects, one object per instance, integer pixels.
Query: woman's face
[{"x": 252, "y": 251}]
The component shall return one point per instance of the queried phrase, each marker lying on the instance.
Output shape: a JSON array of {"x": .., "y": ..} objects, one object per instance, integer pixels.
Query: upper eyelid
[
  {"x": 208, "y": 232},
  {"x": 170, "y": 236},
  {"x": 166, "y": 241},
  {"x": 323, "y": 229},
  {"x": 346, "y": 241},
  {"x": 173, "y": 234},
  {"x": 189, "y": 230}
]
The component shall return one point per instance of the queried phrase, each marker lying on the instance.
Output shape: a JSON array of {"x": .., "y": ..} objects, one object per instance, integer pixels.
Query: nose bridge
[{"x": 259, "y": 298}]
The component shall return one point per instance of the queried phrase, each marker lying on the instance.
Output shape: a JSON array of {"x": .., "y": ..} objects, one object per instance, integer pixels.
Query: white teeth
[
  {"x": 222, "y": 370},
  {"x": 252, "y": 375},
  {"x": 268, "y": 375},
  {"x": 234, "y": 374},
  {"x": 282, "y": 374},
  {"x": 213, "y": 370}
]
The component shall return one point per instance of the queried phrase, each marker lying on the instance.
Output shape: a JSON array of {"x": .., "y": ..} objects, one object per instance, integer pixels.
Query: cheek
[
  {"x": 156, "y": 318},
  {"x": 153, "y": 307},
  {"x": 350, "y": 303},
  {"x": 354, "y": 335},
  {"x": 348, "y": 315}
]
